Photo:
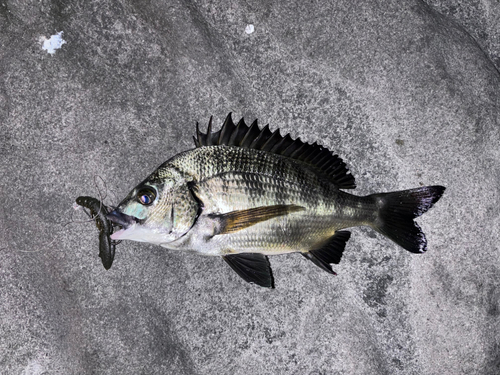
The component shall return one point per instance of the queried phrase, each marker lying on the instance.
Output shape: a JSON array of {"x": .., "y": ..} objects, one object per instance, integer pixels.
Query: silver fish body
[
  {"x": 245, "y": 193},
  {"x": 227, "y": 179}
]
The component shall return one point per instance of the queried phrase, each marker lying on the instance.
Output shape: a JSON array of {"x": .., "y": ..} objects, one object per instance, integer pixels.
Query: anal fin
[
  {"x": 252, "y": 267},
  {"x": 330, "y": 252},
  {"x": 237, "y": 220}
]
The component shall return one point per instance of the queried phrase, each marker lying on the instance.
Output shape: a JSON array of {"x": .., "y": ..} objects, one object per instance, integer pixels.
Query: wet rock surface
[{"x": 399, "y": 90}]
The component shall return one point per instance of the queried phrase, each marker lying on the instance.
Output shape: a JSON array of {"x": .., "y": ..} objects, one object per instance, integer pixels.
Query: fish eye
[{"x": 146, "y": 196}]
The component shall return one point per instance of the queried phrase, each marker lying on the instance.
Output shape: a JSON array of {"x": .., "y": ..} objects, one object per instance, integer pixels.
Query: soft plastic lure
[{"x": 98, "y": 212}]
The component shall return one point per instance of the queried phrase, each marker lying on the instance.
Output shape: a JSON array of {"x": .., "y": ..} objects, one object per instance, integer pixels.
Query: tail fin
[{"x": 397, "y": 210}]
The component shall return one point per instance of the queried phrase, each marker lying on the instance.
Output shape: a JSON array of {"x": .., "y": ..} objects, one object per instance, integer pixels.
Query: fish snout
[{"x": 119, "y": 218}]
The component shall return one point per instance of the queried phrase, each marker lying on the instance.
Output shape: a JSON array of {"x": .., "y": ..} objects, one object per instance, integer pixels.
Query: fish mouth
[{"x": 122, "y": 220}]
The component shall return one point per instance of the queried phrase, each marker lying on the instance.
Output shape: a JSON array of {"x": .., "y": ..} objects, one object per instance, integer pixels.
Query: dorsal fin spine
[
  {"x": 242, "y": 132},
  {"x": 270, "y": 142},
  {"x": 324, "y": 160},
  {"x": 250, "y": 135},
  {"x": 299, "y": 151},
  {"x": 238, "y": 133},
  {"x": 198, "y": 135},
  {"x": 234, "y": 139},
  {"x": 295, "y": 145},
  {"x": 264, "y": 134},
  {"x": 209, "y": 132},
  {"x": 282, "y": 145},
  {"x": 225, "y": 132}
]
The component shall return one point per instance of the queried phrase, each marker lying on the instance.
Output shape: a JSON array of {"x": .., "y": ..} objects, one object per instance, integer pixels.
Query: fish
[
  {"x": 98, "y": 212},
  {"x": 245, "y": 193}
]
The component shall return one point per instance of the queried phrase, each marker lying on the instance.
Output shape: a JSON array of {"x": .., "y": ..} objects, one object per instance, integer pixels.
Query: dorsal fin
[{"x": 242, "y": 135}]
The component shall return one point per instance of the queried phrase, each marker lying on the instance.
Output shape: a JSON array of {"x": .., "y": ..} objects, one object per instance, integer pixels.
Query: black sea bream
[{"x": 245, "y": 193}]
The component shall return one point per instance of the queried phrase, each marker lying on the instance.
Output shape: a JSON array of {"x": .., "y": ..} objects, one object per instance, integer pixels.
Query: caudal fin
[{"x": 397, "y": 210}]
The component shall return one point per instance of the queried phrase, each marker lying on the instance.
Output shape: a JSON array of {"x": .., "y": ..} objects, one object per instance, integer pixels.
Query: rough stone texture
[
  {"x": 481, "y": 18},
  {"x": 404, "y": 94}
]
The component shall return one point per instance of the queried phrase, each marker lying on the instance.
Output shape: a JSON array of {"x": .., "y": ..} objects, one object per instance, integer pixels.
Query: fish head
[{"x": 159, "y": 210}]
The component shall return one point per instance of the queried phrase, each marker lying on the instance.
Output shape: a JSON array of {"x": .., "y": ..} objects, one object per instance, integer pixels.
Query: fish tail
[{"x": 396, "y": 211}]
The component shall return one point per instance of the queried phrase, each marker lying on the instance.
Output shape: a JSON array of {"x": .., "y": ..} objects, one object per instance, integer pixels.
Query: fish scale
[
  {"x": 214, "y": 168},
  {"x": 244, "y": 193},
  {"x": 271, "y": 191}
]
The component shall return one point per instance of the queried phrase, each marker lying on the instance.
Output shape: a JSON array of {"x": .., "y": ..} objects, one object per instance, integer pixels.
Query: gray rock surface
[
  {"x": 404, "y": 94},
  {"x": 481, "y": 18}
]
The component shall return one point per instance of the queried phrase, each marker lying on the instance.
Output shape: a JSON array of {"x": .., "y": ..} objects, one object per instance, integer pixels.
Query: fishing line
[
  {"x": 102, "y": 192},
  {"x": 77, "y": 207}
]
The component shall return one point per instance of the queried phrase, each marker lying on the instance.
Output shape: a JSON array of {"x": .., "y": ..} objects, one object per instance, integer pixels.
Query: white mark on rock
[
  {"x": 55, "y": 42},
  {"x": 249, "y": 29},
  {"x": 34, "y": 368}
]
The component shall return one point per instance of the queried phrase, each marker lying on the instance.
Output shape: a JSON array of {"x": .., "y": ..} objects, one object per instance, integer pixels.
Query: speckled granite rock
[
  {"x": 405, "y": 96},
  {"x": 481, "y": 18}
]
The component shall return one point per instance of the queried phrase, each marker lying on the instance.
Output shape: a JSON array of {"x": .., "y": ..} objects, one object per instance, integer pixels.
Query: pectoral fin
[
  {"x": 237, "y": 220},
  {"x": 252, "y": 267},
  {"x": 330, "y": 252}
]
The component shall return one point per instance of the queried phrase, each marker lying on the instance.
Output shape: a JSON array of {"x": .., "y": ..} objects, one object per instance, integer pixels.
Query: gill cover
[{"x": 157, "y": 210}]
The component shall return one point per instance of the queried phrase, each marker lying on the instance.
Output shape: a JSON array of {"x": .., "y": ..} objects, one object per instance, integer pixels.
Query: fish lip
[{"x": 119, "y": 218}]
